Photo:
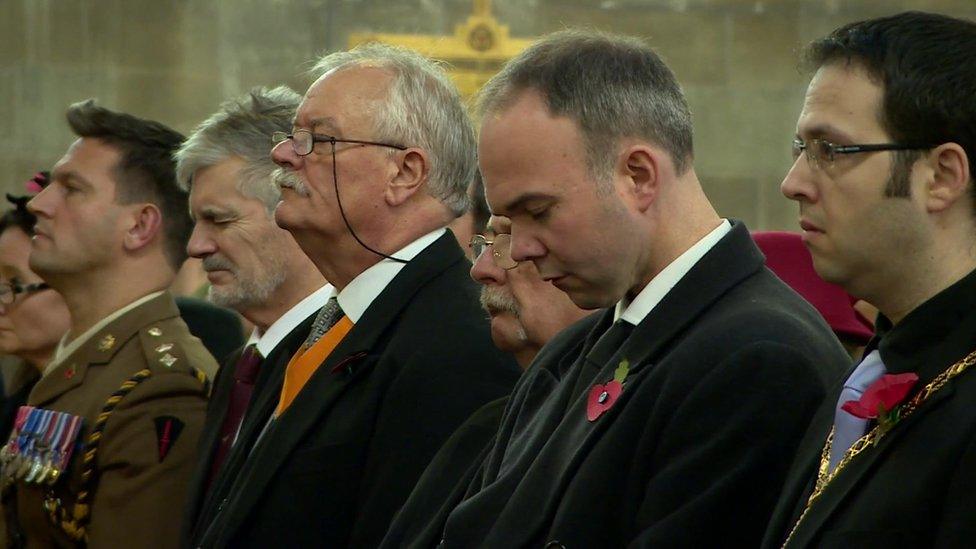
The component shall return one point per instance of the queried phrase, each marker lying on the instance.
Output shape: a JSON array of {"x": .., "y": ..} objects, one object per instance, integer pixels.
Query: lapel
[
  {"x": 734, "y": 258},
  {"x": 351, "y": 360},
  {"x": 216, "y": 411},
  {"x": 100, "y": 348},
  {"x": 267, "y": 388},
  {"x": 857, "y": 471},
  {"x": 218, "y": 404},
  {"x": 727, "y": 264},
  {"x": 803, "y": 471}
]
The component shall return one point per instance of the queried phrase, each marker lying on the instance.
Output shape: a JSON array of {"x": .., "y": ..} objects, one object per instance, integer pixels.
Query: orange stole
[{"x": 306, "y": 361}]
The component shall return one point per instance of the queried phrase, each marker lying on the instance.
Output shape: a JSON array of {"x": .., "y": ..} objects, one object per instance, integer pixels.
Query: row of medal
[{"x": 40, "y": 446}]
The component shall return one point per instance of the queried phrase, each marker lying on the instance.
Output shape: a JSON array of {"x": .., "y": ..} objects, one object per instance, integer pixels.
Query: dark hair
[
  {"x": 927, "y": 66},
  {"x": 479, "y": 204},
  {"x": 146, "y": 171},
  {"x": 18, "y": 217},
  {"x": 612, "y": 86}
]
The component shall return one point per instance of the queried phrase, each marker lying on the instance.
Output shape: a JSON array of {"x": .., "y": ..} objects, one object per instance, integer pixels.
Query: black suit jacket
[
  {"x": 201, "y": 504},
  {"x": 917, "y": 487},
  {"x": 218, "y": 328},
  {"x": 336, "y": 466},
  {"x": 444, "y": 482},
  {"x": 724, "y": 376}
]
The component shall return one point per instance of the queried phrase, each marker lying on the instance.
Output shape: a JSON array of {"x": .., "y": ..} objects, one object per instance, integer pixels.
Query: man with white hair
[
  {"x": 376, "y": 165},
  {"x": 254, "y": 267}
]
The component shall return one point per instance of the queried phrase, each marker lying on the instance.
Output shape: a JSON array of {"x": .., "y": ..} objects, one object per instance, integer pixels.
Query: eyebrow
[
  {"x": 69, "y": 175},
  {"x": 825, "y": 131},
  {"x": 330, "y": 124},
  {"x": 519, "y": 203},
  {"x": 214, "y": 212}
]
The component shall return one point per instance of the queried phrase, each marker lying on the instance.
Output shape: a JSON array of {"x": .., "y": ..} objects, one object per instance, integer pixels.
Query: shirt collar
[
  {"x": 635, "y": 311},
  {"x": 267, "y": 341},
  {"x": 933, "y": 335},
  {"x": 65, "y": 348},
  {"x": 357, "y": 296}
]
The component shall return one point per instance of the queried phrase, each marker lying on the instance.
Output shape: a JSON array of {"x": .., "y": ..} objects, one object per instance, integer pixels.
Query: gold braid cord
[
  {"x": 825, "y": 475},
  {"x": 75, "y": 523}
]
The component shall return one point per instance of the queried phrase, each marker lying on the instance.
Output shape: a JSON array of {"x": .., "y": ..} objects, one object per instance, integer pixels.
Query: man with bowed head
[
  {"x": 664, "y": 419},
  {"x": 377, "y": 163},
  {"x": 525, "y": 312},
  {"x": 255, "y": 268},
  {"x": 884, "y": 182}
]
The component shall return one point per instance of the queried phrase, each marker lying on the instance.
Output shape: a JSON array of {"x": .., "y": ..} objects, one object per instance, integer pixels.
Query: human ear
[
  {"x": 146, "y": 222},
  {"x": 413, "y": 170}
]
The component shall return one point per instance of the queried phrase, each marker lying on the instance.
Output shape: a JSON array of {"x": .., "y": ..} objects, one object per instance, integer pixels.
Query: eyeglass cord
[{"x": 342, "y": 212}]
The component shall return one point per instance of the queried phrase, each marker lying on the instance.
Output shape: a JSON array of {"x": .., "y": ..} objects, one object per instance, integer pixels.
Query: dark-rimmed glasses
[
  {"x": 821, "y": 153},
  {"x": 9, "y": 290},
  {"x": 501, "y": 250},
  {"x": 303, "y": 141}
]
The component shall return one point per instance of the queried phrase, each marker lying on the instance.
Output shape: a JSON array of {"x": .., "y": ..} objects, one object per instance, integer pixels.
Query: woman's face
[{"x": 32, "y": 325}]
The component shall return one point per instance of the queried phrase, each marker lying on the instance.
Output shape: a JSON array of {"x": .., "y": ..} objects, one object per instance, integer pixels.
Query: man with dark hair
[
  {"x": 145, "y": 167},
  {"x": 254, "y": 267},
  {"x": 883, "y": 178},
  {"x": 377, "y": 163},
  {"x": 121, "y": 404},
  {"x": 662, "y": 420}
]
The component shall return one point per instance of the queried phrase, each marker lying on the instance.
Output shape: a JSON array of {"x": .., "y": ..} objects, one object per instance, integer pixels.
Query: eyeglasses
[
  {"x": 501, "y": 250},
  {"x": 9, "y": 290},
  {"x": 820, "y": 153},
  {"x": 302, "y": 141}
]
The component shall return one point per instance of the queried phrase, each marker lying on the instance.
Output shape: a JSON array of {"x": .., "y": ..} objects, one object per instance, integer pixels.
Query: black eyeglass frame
[
  {"x": 480, "y": 240},
  {"x": 278, "y": 137},
  {"x": 11, "y": 289},
  {"x": 799, "y": 146}
]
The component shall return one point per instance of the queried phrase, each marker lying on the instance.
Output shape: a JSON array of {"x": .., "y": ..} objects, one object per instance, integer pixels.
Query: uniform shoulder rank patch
[{"x": 168, "y": 429}]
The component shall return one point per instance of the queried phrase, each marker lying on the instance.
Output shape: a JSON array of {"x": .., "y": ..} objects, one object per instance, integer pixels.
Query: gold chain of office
[{"x": 825, "y": 475}]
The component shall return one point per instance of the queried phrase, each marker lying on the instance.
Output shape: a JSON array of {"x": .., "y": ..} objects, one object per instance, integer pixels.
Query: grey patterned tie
[{"x": 327, "y": 317}]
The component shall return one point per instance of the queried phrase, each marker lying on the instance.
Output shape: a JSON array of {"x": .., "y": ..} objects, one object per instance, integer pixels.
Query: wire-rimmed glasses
[
  {"x": 501, "y": 249},
  {"x": 303, "y": 141},
  {"x": 821, "y": 153}
]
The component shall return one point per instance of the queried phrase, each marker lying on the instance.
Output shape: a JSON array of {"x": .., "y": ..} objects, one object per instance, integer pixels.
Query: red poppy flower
[
  {"x": 601, "y": 398},
  {"x": 882, "y": 396}
]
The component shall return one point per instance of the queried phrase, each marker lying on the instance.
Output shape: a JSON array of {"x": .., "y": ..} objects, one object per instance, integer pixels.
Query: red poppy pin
[
  {"x": 882, "y": 400},
  {"x": 602, "y": 396}
]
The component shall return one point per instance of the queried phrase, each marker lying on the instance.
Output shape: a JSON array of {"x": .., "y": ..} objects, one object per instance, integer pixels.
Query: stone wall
[{"x": 176, "y": 60}]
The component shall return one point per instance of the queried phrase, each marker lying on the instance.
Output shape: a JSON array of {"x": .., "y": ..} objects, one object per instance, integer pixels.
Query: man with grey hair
[
  {"x": 254, "y": 267},
  {"x": 669, "y": 418},
  {"x": 376, "y": 165}
]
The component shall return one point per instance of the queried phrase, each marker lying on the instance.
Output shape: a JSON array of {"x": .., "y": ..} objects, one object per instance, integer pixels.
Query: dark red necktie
[{"x": 245, "y": 372}]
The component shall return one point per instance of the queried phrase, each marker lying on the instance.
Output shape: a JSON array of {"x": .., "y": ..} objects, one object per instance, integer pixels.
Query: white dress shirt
[
  {"x": 267, "y": 341},
  {"x": 357, "y": 296},
  {"x": 635, "y": 311}
]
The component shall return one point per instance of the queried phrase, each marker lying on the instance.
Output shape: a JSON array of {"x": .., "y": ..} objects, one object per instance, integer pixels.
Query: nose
[
  {"x": 283, "y": 154},
  {"x": 525, "y": 247},
  {"x": 42, "y": 203},
  {"x": 200, "y": 244},
  {"x": 798, "y": 184},
  {"x": 485, "y": 272}
]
